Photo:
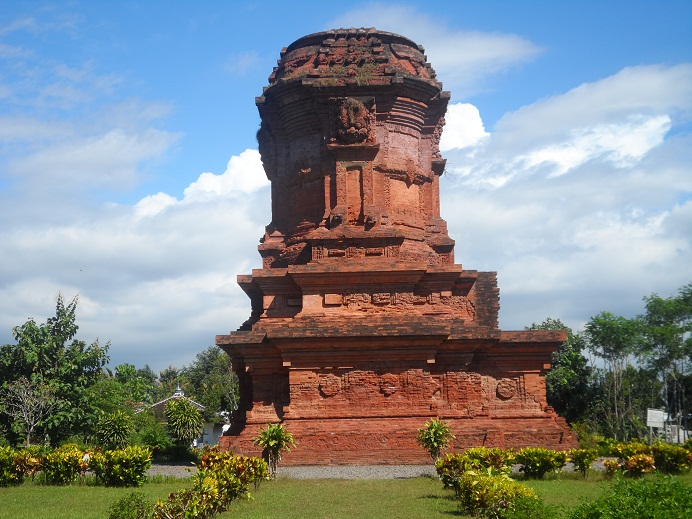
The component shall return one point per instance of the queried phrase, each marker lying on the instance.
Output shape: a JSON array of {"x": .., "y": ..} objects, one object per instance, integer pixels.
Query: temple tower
[{"x": 362, "y": 326}]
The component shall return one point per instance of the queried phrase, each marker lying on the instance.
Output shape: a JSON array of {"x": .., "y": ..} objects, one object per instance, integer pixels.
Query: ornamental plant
[
  {"x": 274, "y": 440},
  {"x": 434, "y": 437},
  {"x": 64, "y": 464},
  {"x": 670, "y": 459},
  {"x": 536, "y": 462},
  {"x": 113, "y": 430},
  {"x": 639, "y": 464},
  {"x": 583, "y": 459},
  {"x": 185, "y": 422},
  {"x": 498, "y": 459},
  {"x": 221, "y": 479},
  {"x": 10, "y": 472},
  {"x": 121, "y": 467},
  {"x": 495, "y": 496}
]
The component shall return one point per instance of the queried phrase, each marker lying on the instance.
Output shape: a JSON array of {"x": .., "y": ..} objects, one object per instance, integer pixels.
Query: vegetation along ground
[{"x": 298, "y": 498}]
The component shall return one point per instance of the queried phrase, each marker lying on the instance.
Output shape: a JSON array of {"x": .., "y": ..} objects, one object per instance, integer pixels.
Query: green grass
[
  {"x": 32, "y": 501},
  {"x": 294, "y": 498}
]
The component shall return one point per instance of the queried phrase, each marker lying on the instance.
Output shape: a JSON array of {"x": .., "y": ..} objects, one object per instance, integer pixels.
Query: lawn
[{"x": 292, "y": 498}]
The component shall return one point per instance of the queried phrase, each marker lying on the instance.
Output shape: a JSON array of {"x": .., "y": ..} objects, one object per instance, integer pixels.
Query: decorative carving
[
  {"x": 330, "y": 385},
  {"x": 353, "y": 122},
  {"x": 506, "y": 388}
]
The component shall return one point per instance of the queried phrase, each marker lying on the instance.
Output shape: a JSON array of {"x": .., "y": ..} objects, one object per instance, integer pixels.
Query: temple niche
[{"x": 362, "y": 326}]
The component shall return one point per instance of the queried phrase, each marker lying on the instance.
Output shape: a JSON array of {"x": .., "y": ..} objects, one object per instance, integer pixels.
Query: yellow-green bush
[
  {"x": 582, "y": 459},
  {"x": 491, "y": 496},
  {"x": 121, "y": 467},
  {"x": 63, "y": 465},
  {"x": 670, "y": 459},
  {"x": 638, "y": 465},
  {"x": 536, "y": 462},
  {"x": 221, "y": 479}
]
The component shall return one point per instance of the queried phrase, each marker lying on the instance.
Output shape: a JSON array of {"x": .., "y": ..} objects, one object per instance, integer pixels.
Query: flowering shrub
[
  {"x": 536, "y": 462},
  {"x": 121, "y": 468}
]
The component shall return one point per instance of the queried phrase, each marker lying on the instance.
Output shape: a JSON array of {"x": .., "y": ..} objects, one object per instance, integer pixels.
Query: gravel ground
[{"x": 334, "y": 471}]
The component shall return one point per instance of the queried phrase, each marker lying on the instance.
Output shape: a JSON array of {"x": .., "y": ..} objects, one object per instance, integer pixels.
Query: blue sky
[{"x": 129, "y": 173}]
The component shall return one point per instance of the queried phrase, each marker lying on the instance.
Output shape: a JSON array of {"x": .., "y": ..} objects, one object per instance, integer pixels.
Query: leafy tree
[
  {"x": 48, "y": 354},
  {"x": 185, "y": 422},
  {"x": 274, "y": 440},
  {"x": 29, "y": 403},
  {"x": 138, "y": 387},
  {"x": 211, "y": 381},
  {"x": 667, "y": 324},
  {"x": 568, "y": 383}
]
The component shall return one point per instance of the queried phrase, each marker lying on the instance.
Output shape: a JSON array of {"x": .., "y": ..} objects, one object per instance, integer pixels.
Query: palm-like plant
[
  {"x": 434, "y": 437},
  {"x": 274, "y": 440},
  {"x": 184, "y": 421}
]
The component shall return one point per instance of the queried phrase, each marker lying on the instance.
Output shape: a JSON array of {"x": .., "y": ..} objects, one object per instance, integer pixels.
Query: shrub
[
  {"x": 625, "y": 450},
  {"x": 450, "y": 468},
  {"x": 491, "y": 495},
  {"x": 132, "y": 506},
  {"x": 434, "y": 437},
  {"x": 537, "y": 462},
  {"x": 657, "y": 498},
  {"x": 11, "y": 472},
  {"x": 248, "y": 470},
  {"x": 639, "y": 464},
  {"x": 496, "y": 458},
  {"x": 582, "y": 459},
  {"x": 612, "y": 467},
  {"x": 670, "y": 459},
  {"x": 113, "y": 430},
  {"x": 63, "y": 465},
  {"x": 224, "y": 478},
  {"x": 274, "y": 440},
  {"x": 123, "y": 467}
]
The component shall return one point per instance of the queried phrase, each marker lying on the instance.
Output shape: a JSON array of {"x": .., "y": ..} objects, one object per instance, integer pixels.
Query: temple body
[{"x": 362, "y": 326}]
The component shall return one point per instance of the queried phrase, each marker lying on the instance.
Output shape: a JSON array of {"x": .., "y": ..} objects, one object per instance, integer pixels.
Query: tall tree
[
  {"x": 568, "y": 383},
  {"x": 667, "y": 324},
  {"x": 614, "y": 340},
  {"x": 48, "y": 354},
  {"x": 210, "y": 381}
]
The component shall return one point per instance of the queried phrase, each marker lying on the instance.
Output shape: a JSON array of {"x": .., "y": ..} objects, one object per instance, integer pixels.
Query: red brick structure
[{"x": 362, "y": 326}]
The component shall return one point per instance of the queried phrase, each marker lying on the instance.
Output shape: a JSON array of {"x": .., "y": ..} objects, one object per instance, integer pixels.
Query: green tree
[
  {"x": 48, "y": 354},
  {"x": 614, "y": 340},
  {"x": 27, "y": 403},
  {"x": 185, "y": 422},
  {"x": 568, "y": 383},
  {"x": 210, "y": 380},
  {"x": 667, "y": 324}
]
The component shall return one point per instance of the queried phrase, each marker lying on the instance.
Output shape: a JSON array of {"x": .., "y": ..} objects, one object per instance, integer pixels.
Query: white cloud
[
  {"x": 580, "y": 202},
  {"x": 460, "y": 58},
  {"x": 244, "y": 174},
  {"x": 464, "y": 127}
]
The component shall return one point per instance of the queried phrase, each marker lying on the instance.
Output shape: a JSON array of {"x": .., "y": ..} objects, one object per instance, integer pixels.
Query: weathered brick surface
[{"x": 362, "y": 327}]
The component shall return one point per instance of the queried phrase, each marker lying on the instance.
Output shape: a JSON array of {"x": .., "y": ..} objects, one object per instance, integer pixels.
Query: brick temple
[{"x": 362, "y": 325}]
